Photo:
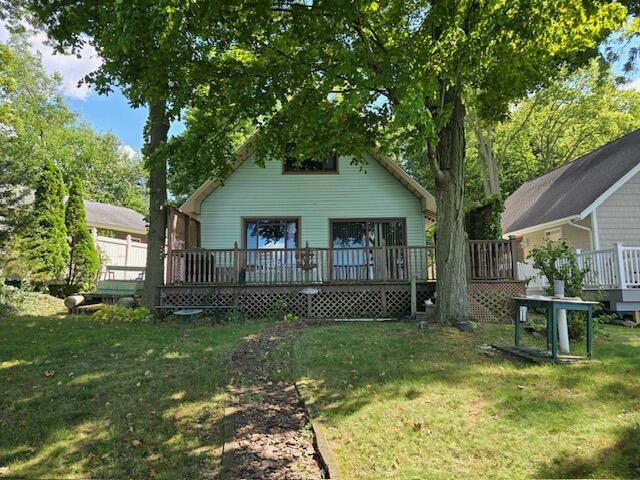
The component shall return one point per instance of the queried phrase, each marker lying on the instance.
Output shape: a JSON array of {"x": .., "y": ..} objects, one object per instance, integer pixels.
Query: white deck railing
[
  {"x": 611, "y": 268},
  {"x": 116, "y": 252},
  {"x": 535, "y": 280}
]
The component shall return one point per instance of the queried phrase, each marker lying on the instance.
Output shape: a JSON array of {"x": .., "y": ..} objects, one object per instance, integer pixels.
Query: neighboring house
[
  {"x": 121, "y": 236},
  {"x": 592, "y": 203},
  {"x": 117, "y": 222},
  {"x": 330, "y": 203}
]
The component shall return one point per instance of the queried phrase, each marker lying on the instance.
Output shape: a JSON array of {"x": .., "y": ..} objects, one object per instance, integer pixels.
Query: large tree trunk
[
  {"x": 157, "y": 130},
  {"x": 488, "y": 162},
  {"x": 448, "y": 169}
]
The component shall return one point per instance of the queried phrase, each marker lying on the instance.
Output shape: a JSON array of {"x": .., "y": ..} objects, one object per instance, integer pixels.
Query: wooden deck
[{"x": 486, "y": 260}]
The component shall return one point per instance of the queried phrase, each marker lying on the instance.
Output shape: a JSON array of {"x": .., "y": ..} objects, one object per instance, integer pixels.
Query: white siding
[{"x": 619, "y": 215}]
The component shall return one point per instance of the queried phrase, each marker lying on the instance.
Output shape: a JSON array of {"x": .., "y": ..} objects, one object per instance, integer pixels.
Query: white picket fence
[
  {"x": 116, "y": 252},
  {"x": 611, "y": 268}
]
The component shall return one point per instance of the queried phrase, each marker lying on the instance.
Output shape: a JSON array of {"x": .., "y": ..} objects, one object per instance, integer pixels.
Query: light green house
[{"x": 322, "y": 204}]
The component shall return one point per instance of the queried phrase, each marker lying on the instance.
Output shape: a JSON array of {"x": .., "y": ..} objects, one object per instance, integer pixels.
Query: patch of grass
[
  {"x": 400, "y": 403},
  {"x": 83, "y": 398}
]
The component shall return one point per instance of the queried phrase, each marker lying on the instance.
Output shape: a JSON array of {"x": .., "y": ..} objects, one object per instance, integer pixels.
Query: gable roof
[
  {"x": 111, "y": 217},
  {"x": 574, "y": 190},
  {"x": 192, "y": 205}
]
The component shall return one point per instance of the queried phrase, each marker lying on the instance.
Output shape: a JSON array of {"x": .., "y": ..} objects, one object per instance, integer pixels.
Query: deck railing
[
  {"x": 610, "y": 268},
  {"x": 485, "y": 261},
  {"x": 617, "y": 267},
  {"x": 492, "y": 260}
]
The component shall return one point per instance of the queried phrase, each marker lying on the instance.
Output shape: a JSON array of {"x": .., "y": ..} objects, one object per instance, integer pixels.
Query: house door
[{"x": 357, "y": 253}]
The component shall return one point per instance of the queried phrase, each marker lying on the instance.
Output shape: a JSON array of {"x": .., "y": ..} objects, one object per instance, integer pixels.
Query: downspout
[{"x": 582, "y": 227}]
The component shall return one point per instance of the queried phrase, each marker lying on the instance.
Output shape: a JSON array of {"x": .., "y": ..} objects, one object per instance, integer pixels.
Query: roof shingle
[
  {"x": 115, "y": 218},
  {"x": 571, "y": 188}
]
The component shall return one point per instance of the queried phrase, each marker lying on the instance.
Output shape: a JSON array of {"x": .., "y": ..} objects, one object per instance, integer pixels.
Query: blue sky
[{"x": 111, "y": 112}]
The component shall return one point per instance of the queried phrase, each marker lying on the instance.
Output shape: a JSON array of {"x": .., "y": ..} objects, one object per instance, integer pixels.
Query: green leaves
[
  {"x": 46, "y": 237},
  {"x": 84, "y": 260}
]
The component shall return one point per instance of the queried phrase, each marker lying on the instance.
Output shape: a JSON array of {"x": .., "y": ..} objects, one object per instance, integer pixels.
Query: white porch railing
[
  {"x": 631, "y": 266},
  {"x": 536, "y": 281},
  {"x": 116, "y": 252},
  {"x": 611, "y": 268}
]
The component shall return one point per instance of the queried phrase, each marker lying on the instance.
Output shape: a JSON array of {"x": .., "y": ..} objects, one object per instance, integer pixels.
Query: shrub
[
  {"x": 292, "y": 318},
  {"x": 46, "y": 237},
  {"x": 84, "y": 260},
  {"x": 557, "y": 261},
  {"x": 482, "y": 222},
  {"x": 278, "y": 310},
  {"x": 118, "y": 313},
  {"x": 12, "y": 299}
]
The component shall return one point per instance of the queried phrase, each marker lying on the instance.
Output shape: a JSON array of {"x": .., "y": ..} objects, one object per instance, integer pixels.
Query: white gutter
[
  {"x": 596, "y": 231},
  {"x": 541, "y": 226},
  {"x": 582, "y": 227}
]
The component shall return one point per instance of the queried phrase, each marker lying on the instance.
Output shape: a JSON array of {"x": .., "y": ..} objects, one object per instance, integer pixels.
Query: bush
[
  {"x": 84, "y": 261},
  {"x": 482, "y": 222},
  {"x": 12, "y": 299},
  {"x": 557, "y": 261},
  {"x": 118, "y": 313}
]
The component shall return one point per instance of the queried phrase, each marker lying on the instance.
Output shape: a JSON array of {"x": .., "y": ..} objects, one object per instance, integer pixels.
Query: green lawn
[
  {"x": 401, "y": 403},
  {"x": 87, "y": 399}
]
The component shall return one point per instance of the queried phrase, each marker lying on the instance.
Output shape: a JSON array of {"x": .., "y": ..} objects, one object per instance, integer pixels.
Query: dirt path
[{"x": 272, "y": 436}]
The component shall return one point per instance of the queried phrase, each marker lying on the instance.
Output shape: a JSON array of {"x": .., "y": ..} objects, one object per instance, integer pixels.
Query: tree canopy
[
  {"x": 397, "y": 74},
  {"x": 570, "y": 117},
  {"x": 36, "y": 126}
]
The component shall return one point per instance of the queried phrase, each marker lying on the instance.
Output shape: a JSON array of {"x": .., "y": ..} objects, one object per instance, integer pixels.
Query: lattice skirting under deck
[
  {"x": 312, "y": 302},
  {"x": 489, "y": 301}
]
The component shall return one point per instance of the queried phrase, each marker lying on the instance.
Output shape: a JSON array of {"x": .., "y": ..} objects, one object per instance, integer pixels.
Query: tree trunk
[
  {"x": 157, "y": 130},
  {"x": 448, "y": 168},
  {"x": 488, "y": 162}
]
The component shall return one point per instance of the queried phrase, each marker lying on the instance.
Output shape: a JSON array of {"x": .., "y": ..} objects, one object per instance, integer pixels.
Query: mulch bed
[{"x": 272, "y": 434}]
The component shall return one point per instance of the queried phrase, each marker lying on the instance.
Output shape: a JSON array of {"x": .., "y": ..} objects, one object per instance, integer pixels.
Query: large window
[
  {"x": 367, "y": 233},
  {"x": 270, "y": 233}
]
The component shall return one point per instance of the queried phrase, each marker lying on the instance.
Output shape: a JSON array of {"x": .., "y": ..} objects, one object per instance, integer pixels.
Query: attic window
[
  {"x": 554, "y": 235},
  {"x": 328, "y": 165}
]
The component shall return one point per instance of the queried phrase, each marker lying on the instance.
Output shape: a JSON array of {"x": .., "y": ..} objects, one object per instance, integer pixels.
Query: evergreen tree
[
  {"x": 47, "y": 235},
  {"x": 84, "y": 260}
]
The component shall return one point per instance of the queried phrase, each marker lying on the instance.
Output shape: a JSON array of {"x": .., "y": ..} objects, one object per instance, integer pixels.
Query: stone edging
[
  {"x": 229, "y": 446},
  {"x": 327, "y": 459}
]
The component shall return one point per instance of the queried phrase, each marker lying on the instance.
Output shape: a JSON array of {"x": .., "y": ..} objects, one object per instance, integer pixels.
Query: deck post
[
  {"x": 622, "y": 281},
  {"x": 236, "y": 264},
  {"x": 414, "y": 297},
  {"x": 384, "y": 264},
  {"x": 514, "y": 256},
  {"x": 170, "y": 233}
]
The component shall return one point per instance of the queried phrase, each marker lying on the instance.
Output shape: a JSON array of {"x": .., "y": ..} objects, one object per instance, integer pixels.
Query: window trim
[
  {"x": 553, "y": 230},
  {"x": 245, "y": 220},
  {"x": 312, "y": 172},
  {"x": 403, "y": 220}
]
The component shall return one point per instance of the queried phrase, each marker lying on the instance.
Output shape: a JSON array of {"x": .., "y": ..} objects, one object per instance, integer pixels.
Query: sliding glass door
[{"x": 355, "y": 257}]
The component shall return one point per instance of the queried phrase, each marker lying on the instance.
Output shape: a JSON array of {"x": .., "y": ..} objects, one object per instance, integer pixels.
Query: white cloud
[
  {"x": 127, "y": 151},
  {"x": 71, "y": 68},
  {"x": 632, "y": 85}
]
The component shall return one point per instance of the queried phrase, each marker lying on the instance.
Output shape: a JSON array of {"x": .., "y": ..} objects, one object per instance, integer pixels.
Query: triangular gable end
[{"x": 193, "y": 204}]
